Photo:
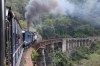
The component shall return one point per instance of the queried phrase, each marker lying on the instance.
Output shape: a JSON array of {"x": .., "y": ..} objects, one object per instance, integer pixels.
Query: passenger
[{"x": 34, "y": 64}]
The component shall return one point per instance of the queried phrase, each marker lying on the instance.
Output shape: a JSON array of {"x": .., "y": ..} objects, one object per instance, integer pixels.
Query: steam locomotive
[{"x": 14, "y": 39}]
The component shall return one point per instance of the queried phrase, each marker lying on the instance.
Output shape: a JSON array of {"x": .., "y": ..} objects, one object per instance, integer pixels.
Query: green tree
[
  {"x": 86, "y": 30},
  {"x": 94, "y": 60},
  {"x": 80, "y": 53},
  {"x": 95, "y": 46},
  {"x": 23, "y": 24},
  {"x": 34, "y": 53},
  {"x": 18, "y": 6},
  {"x": 60, "y": 59}
]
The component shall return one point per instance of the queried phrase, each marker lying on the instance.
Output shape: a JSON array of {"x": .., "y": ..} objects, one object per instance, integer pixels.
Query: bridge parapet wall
[{"x": 67, "y": 43}]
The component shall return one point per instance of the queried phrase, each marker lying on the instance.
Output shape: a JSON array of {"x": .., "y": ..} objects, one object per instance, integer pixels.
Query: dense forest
[{"x": 51, "y": 26}]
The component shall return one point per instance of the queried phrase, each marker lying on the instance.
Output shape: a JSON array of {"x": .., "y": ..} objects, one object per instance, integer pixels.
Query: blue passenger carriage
[
  {"x": 14, "y": 42},
  {"x": 12, "y": 37}
]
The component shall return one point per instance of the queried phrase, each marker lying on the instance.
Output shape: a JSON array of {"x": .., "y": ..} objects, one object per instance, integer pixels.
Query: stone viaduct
[{"x": 67, "y": 44}]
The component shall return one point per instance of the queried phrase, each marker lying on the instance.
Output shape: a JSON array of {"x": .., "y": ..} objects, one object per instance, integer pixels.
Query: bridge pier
[
  {"x": 85, "y": 42},
  {"x": 70, "y": 47},
  {"x": 49, "y": 54},
  {"x": 90, "y": 42},
  {"x": 69, "y": 44},
  {"x": 82, "y": 42},
  {"x": 52, "y": 52},
  {"x": 73, "y": 44},
  {"x": 41, "y": 58},
  {"x": 76, "y": 43},
  {"x": 64, "y": 45},
  {"x": 44, "y": 62},
  {"x": 52, "y": 47}
]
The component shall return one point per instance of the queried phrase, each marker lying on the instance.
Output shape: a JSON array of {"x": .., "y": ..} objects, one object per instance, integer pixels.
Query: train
[
  {"x": 14, "y": 38},
  {"x": 29, "y": 37}
]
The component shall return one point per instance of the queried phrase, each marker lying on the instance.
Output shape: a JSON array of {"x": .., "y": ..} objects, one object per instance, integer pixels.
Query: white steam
[
  {"x": 38, "y": 7},
  {"x": 88, "y": 10},
  {"x": 65, "y": 7},
  {"x": 83, "y": 9}
]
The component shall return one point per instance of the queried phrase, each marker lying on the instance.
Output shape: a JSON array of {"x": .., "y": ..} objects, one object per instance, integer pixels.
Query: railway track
[{"x": 26, "y": 58}]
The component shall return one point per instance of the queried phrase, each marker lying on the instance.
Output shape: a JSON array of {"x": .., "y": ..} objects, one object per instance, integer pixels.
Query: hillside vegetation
[
  {"x": 52, "y": 26},
  {"x": 60, "y": 26},
  {"x": 81, "y": 56}
]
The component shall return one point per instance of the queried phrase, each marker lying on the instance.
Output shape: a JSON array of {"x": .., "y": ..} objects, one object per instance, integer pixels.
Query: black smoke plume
[{"x": 38, "y": 7}]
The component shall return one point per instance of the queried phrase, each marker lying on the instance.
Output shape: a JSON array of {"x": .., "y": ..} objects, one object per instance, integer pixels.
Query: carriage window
[
  {"x": 17, "y": 37},
  {"x": 29, "y": 36}
]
